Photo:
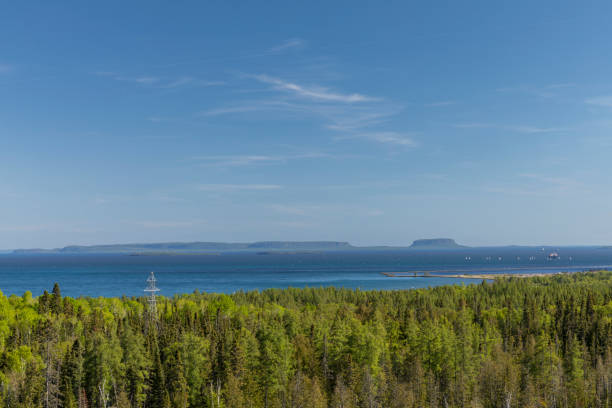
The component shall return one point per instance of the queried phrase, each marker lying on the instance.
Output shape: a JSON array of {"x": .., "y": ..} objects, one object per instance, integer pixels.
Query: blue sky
[{"x": 372, "y": 122}]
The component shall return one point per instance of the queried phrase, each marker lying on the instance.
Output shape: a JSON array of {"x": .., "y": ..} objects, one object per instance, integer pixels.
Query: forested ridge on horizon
[{"x": 536, "y": 342}]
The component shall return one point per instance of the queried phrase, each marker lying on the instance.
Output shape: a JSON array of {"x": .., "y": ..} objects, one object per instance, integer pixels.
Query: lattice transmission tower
[{"x": 152, "y": 291}]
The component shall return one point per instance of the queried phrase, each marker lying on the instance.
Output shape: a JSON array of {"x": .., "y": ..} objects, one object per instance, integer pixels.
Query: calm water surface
[{"x": 116, "y": 275}]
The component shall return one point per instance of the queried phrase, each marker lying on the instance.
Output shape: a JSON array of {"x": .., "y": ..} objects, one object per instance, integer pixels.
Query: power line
[{"x": 152, "y": 290}]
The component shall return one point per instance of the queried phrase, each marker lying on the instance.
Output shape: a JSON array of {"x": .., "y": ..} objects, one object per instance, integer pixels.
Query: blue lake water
[{"x": 116, "y": 275}]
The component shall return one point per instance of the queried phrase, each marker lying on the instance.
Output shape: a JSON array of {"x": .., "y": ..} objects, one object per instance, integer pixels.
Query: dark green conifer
[
  {"x": 177, "y": 384},
  {"x": 43, "y": 302},
  {"x": 56, "y": 299},
  {"x": 157, "y": 396}
]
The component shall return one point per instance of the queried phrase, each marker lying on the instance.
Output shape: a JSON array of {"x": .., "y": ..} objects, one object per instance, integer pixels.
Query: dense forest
[{"x": 537, "y": 342}]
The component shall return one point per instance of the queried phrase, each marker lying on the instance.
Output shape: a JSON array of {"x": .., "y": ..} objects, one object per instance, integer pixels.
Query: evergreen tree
[
  {"x": 157, "y": 396},
  {"x": 56, "y": 299},
  {"x": 177, "y": 384},
  {"x": 44, "y": 302}
]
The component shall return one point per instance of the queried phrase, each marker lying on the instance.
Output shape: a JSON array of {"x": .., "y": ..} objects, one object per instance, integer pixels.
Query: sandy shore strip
[{"x": 488, "y": 276}]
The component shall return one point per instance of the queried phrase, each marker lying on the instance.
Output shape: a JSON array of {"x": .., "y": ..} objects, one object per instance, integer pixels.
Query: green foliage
[{"x": 539, "y": 342}]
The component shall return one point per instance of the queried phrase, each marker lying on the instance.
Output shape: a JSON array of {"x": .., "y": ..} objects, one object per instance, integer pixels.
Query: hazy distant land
[
  {"x": 259, "y": 247},
  {"x": 215, "y": 247},
  {"x": 436, "y": 243}
]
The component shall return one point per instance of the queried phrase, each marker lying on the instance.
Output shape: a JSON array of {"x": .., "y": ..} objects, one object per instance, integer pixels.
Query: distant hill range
[
  {"x": 217, "y": 247},
  {"x": 192, "y": 247},
  {"x": 436, "y": 243}
]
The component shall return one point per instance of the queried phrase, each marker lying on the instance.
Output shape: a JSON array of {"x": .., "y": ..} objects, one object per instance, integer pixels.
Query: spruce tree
[
  {"x": 177, "y": 384},
  {"x": 67, "y": 380},
  {"x": 43, "y": 302},
  {"x": 157, "y": 396},
  {"x": 56, "y": 299}
]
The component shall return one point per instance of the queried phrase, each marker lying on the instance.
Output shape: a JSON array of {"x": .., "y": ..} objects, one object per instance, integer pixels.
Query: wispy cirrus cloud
[
  {"x": 561, "y": 182},
  {"x": 338, "y": 117},
  {"x": 473, "y": 125},
  {"x": 547, "y": 91},
  {"x": 513, "y": 128},
  {"x": 55, "y": 227},
  {"x": 143, "y": 80},
  {"x": 115, "y": 199},
  {"x": 103, "y": 199},
  {"x": 138, "y": 79},
  {"x": 190, "y": 81},
  {"x": 392, "y": 138},
  {"x": 536, "y": 129},
  {"x": 318, "y": 210},
  {"x": 25, "y": 228},
  {"x": 247, "y": 160},
  {"x": 313, "y": 92},
  {"x": 541, "y": 185},
  {"x": 436, "y": 176},
  {"x": 237, "y": 187},
  {"x": 168, "y": 224},
  {"x": 605, "y": 101},
  {"x": 352, "y": 115},
  {"x": 287, "y": 44},
  {"x": 160, "y": 82},
  {"x": 251, "y": 106},
  {"x": 300, "y": 210},
  {"x": 439, "y": 104},
  {"x": 361, "y": 117},
  {"x": 513, "y": 190}
]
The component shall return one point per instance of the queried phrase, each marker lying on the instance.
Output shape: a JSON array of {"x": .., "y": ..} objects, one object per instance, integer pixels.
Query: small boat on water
[{"x": 554, "y": 255}]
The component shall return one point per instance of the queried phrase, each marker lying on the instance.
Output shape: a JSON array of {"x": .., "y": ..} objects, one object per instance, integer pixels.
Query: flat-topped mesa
[{"x": 435, "y": 243}]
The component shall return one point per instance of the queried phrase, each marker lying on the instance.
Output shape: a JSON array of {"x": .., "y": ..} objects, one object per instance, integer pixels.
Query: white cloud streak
[
  {"x": 515, "y": 128},
  {"x": 392, "y": 138},
  {"x": 564, "y": 183},
  {"x": 548, "y": 91},
  {"x": 535, "y": 129},
  {"x": 190, "y": 81},
  {"x": 292, "y": 209},
  {"x": 287, "y": 44},
  {"x": 540, "y": 185},
  {"x": 54, "y": 227},
  {"x": 235, "y": 109},
  {"x": 473, "y": 125},
  {"x": 440, "y": 104},
  {"x": 237, "y": 187},
  {"x": 167, "y": 224},
  {"x": 24, "y": 228},
  {"x": 605, "y": 101},
  {"x": 318, "y": 210},
  {"x": 143, "y": 80},
  {"x": 317, "y": 93},
  {"x": 518, "y": 191},
  {"x": 247, "y": 160},
  {"x": 159, "y": 82},
  {"x": 339, "y": 117},
  {"x": 355, "y": 115}
]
